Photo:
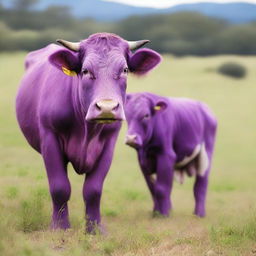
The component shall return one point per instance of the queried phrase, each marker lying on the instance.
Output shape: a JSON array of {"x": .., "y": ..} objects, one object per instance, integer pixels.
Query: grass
[{"x": 230, "y": 225}]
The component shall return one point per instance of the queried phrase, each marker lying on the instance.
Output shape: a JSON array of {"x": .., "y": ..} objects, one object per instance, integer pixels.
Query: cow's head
[
  {"x": 102, "y": 63},
  {"x": 141, "y": 114}
]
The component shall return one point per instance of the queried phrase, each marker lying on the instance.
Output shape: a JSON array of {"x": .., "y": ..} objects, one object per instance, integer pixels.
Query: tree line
[{"x": 185, "y": 33}]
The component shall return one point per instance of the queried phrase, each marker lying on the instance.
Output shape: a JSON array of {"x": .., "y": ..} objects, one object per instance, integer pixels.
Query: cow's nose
[
  {"x": 133, "y": 140},
  {"x": 107, "y": 106},
  {"x": 130, "y": 139},
  {"x": 105, "y": 111}
]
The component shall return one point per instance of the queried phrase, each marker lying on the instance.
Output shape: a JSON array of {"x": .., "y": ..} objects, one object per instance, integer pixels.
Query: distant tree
[
  {"x": 1, "y": 7},
  {"x": 24, "y": 4},
  {"x": 239, "y": 39},
  {"x": 56, "y": 16},
  {"x": 180, "y": 34}
]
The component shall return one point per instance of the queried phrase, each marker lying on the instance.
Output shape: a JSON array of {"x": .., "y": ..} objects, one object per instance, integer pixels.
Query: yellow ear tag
[
  {"x": 68, "y": 72},
  {"x": 157, "y": 108}
]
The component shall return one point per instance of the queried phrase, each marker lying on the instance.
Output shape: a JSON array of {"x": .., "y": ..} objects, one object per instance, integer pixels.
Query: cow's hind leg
[
  {"x": 58, "y": 181},
  {"x": 200, "y": 190},
  {"x": 201, "y": 182}
]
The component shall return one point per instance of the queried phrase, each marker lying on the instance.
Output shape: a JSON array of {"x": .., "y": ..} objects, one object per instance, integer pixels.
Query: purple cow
[
  {"x": 171, "y": 136},
  {"x": 69, "y": 107}
]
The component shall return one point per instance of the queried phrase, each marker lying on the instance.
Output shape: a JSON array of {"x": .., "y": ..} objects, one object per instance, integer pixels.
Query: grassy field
[{"x": 230, "y": 225}]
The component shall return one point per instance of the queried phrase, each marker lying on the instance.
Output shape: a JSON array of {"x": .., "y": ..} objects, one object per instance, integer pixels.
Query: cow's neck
[
  {"x": 90, "y": 133},
  {"x": 94, "y": 143}
]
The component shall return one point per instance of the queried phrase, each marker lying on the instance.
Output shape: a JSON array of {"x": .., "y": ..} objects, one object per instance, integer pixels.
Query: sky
[{"x": 170, "y": 3}]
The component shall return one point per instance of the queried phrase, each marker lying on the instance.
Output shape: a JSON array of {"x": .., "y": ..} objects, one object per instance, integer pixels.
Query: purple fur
[
  {"x": 57, "y": 114},
  {"x": 164, "y": 131}
]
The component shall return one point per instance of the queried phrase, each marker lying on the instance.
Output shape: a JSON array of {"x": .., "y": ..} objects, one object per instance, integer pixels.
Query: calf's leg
[
  {"x": 163, "y": 184},
  {"x": 151, "y": 186},
  {"x": 200, "y": 191},
  {"x": 201, "y": 182}
]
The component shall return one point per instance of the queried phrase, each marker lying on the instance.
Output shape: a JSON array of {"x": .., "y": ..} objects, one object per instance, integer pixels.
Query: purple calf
[
  {"x": 171, "y": 135},
  {"x": 69, "y": 107}
]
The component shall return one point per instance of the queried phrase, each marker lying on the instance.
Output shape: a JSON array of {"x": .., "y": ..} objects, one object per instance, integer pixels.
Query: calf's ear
[
  {"x": 65, "y": 61},
  {"x": 143, "y": 60},
  {"x": 160, "y": 106}
]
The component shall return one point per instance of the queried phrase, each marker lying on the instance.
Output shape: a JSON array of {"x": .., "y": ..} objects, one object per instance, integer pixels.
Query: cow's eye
[
  {"x": 85, "y": 71},
  {"x": 126, "y": 70}
]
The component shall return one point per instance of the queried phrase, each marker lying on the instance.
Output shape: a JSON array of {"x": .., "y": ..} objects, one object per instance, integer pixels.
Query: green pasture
[{"x": 230, "y": 225}]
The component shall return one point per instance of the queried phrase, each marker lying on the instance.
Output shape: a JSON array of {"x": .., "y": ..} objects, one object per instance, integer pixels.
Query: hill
[{"x": 107, "y": 11}]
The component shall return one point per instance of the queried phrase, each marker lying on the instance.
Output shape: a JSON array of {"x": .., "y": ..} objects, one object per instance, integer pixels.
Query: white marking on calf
[
  {"x": 203, "y": 161},
  {"x": 188, "y": 159},
  {"x": 201, "y": 166},
  {"x": 179, "y": 176}
]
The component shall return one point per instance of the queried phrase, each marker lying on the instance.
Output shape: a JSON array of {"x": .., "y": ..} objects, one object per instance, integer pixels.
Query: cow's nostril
[
  {"x": 98, "y": 106},
  {"x": 116, "y": 106}
]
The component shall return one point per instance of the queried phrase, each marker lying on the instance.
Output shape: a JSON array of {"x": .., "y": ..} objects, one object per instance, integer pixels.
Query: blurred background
[
  {"x": 208, "y": 51},
  {"x": 173, "y": 27}
]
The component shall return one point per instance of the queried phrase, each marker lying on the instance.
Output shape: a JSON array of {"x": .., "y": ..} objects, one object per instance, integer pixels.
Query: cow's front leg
[
  {"x": 93, "y": 185},
  {"x": 150, "y": 180},
  {"x": 163, "y": 184},
  {"x": 60, "y": 190},
  {"x": 146, "y": 166},
  {"x": 92, "y": 195}
]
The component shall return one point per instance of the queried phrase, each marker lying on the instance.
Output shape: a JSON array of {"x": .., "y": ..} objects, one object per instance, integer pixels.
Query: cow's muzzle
[
  {"x": 133, "y": 141},
  {"x": 105, "y": 111}
]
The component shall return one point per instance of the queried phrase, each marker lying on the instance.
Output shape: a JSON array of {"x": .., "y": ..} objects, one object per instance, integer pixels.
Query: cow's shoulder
[{"x": 56, "y": 108}]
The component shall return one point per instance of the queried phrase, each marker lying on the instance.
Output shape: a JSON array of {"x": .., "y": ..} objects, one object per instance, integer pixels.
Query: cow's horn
[
  {"x": 69, "y": 45},
  {"x": 133, "y": 45}
]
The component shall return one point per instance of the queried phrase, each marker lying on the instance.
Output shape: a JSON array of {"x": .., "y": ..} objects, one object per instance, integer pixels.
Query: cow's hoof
[
  {"x": 199, "y": 214},
  {"x": 60, "y": 225},
  {"x": 157, "y": 214},
  {"x": 96, "y": 230}
]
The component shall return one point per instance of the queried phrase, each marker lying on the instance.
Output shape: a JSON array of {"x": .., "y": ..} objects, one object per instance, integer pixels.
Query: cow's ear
[
  {"x": 143, "y": 60},
  {"x": 65, "y": 61},
  {"x": 160, "y": 106}
]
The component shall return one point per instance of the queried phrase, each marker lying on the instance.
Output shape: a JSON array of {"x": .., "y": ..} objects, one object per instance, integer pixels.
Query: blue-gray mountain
[{"x": 107, "y": 11}]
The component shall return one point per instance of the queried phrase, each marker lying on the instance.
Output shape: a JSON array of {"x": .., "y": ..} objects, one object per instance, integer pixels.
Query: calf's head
[
  {"x": 141, "y": 113},
  {"x": 101, "y": 64}
]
